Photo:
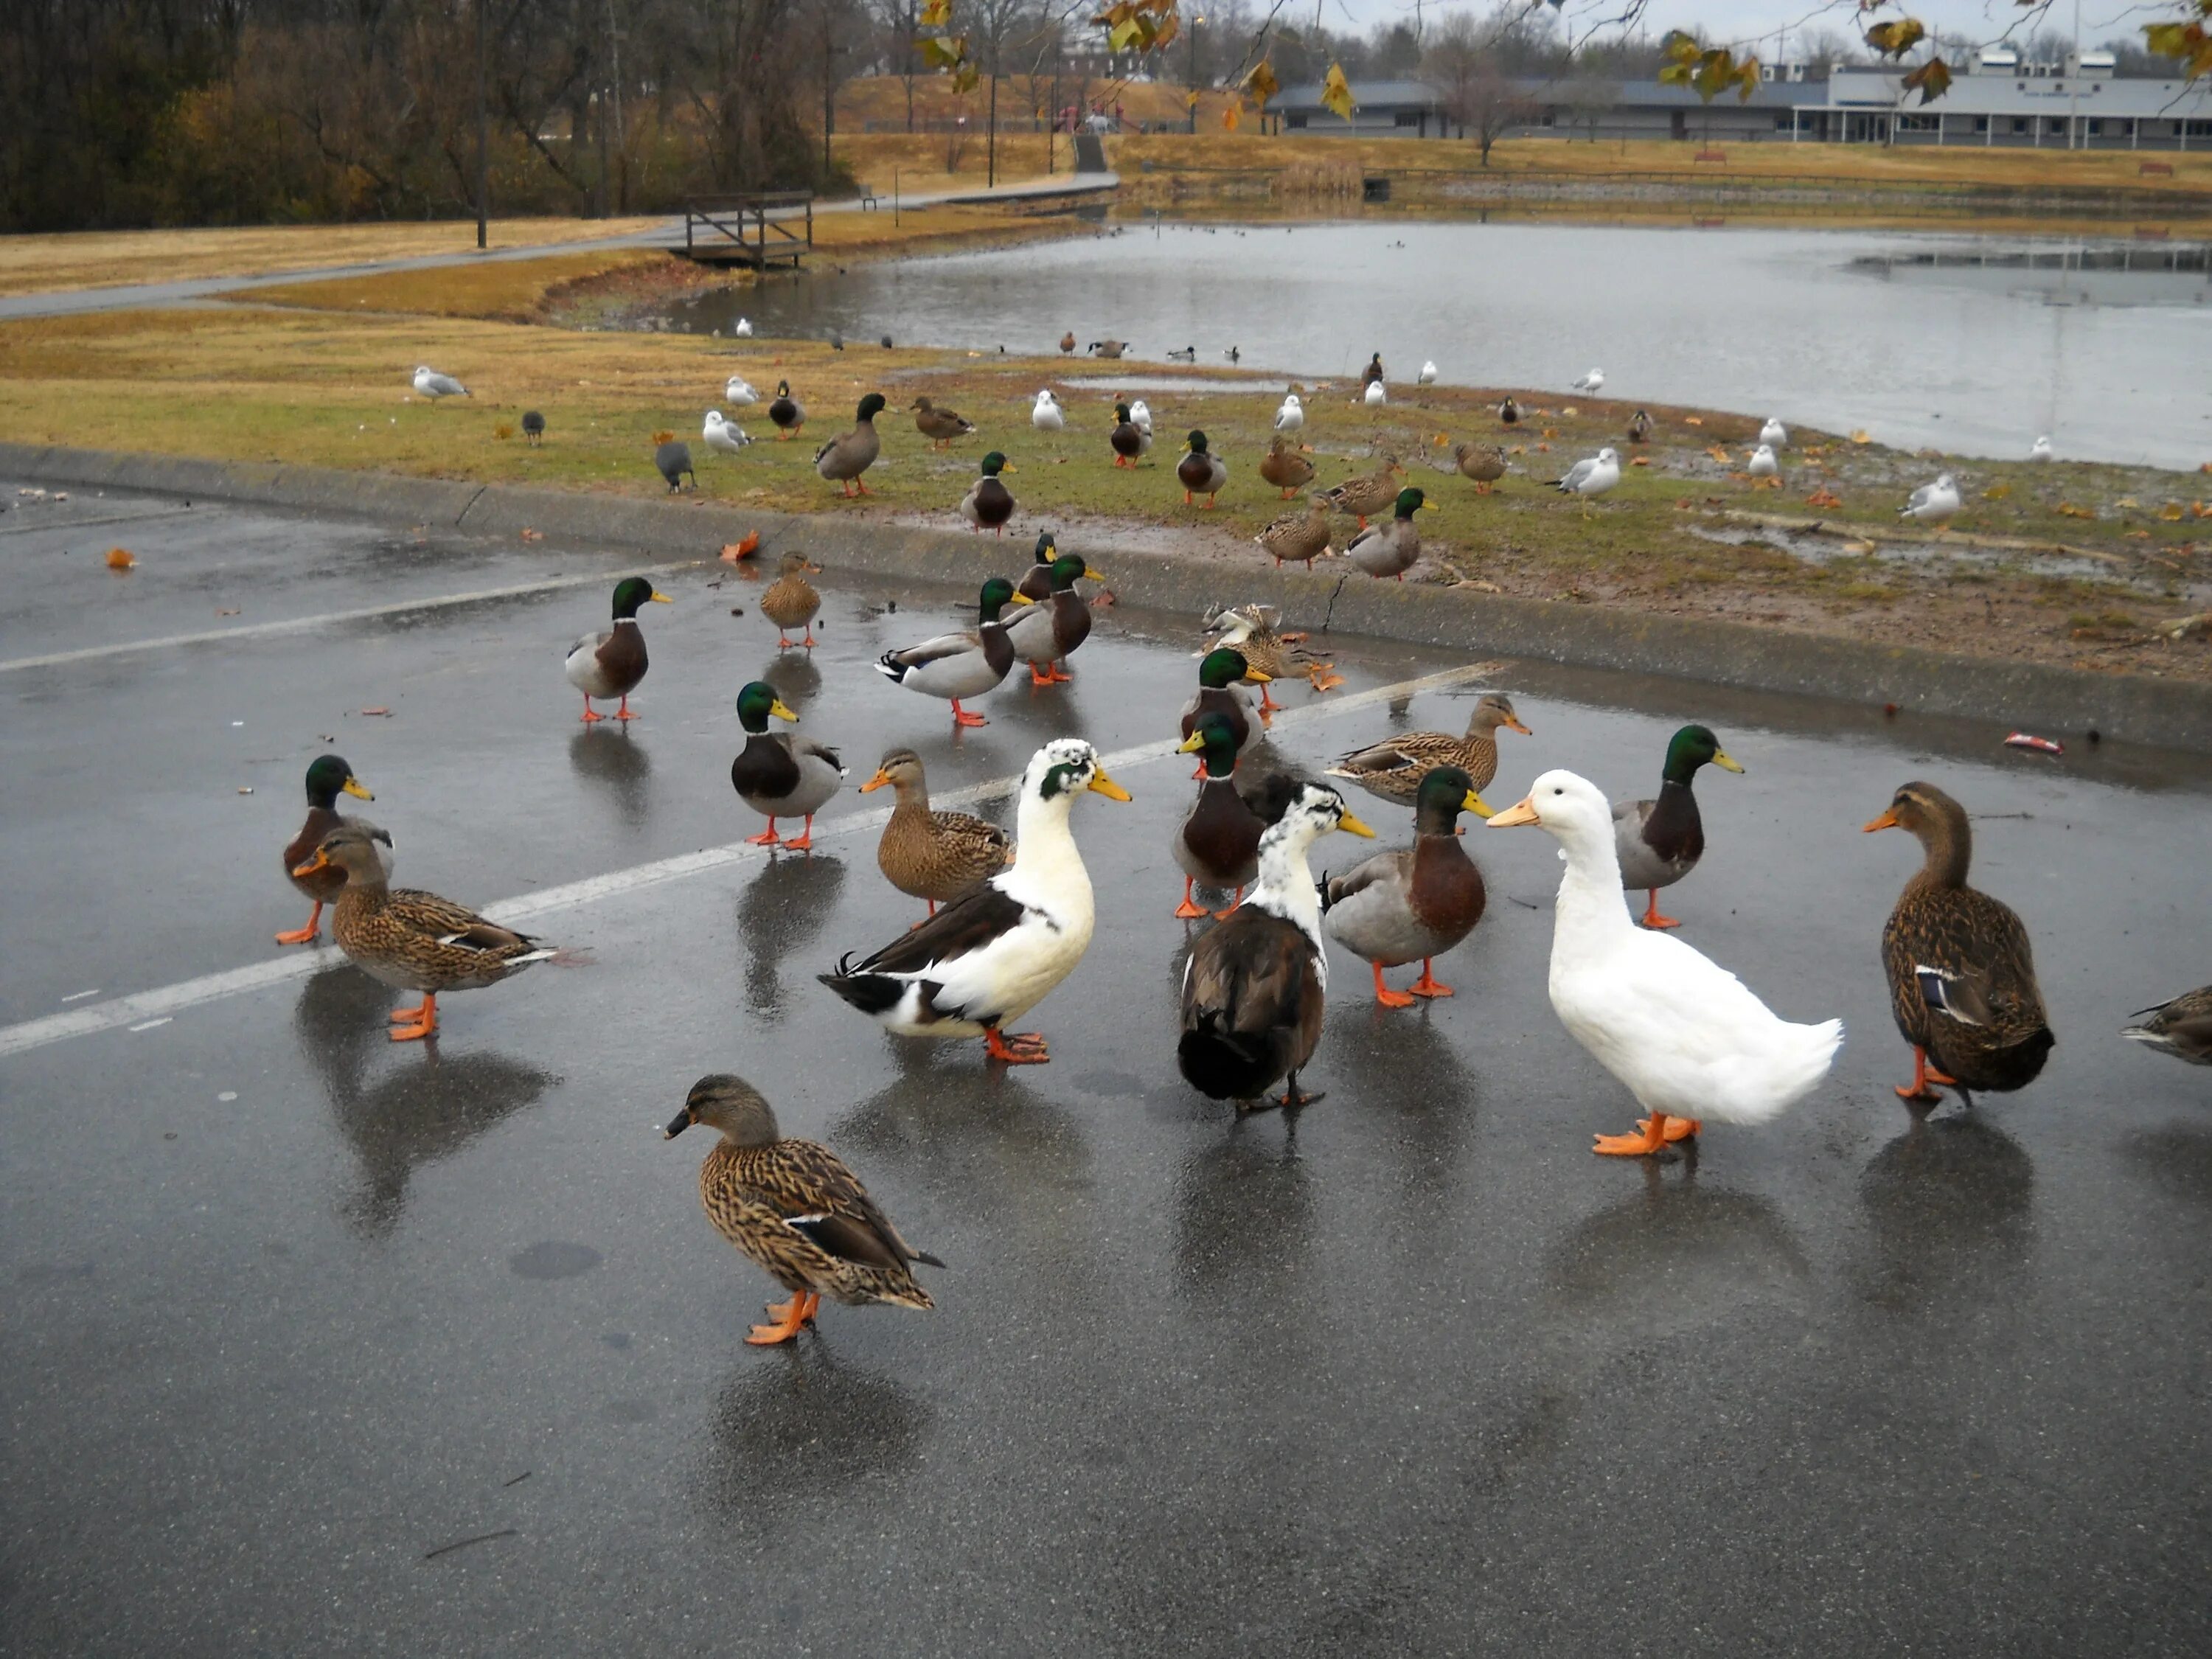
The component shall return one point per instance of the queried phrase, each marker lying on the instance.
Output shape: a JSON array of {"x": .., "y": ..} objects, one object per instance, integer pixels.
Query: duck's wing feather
[
  {"x": 1415, "y": 751},
  {"x": 812, "y": 1189},
  {"x": 1383, "y": 866},
  {"x": 450, "y": 923},
  {"x": 970, "y": 922},
  {"x": 935, "y": 650},
  {"x": 804, "y": 746}
]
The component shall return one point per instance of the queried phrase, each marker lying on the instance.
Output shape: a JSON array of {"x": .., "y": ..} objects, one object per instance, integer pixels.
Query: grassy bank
[{"x": 2060, "y": 563}]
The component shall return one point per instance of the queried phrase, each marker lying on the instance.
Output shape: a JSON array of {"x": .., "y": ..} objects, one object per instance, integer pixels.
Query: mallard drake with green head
[
  {"x": 1639, "y": 427},
  {"x": 1369, "y": 493},
  {"x": 1255, "y": 988},
  {"x": 1127, "y": 439},
  {"x": 1285, "y": 467},
  {"x": 781, "y": 775},
  {"x": 411, "y": 939},
  {"x": 2181, "y": 1028},
  {"x": 932, "y": 856},
  {"x": 791, "y": 601},
  {"x": 328, "y": 777},
  {"x": 1392, "y": 549},
  {"x": 999, "y": 948},
  {"x": 988, "y": 503},
  {"x": 1048, "y": 633},
  {"x": 1221, "y": 672},
  {"x": 610, "y": 663},
  {"x": 794, "y": 1209},
  {"x": 1254, "y": 632},
  {"x": 940, "y": 425},
  {"x": 1200, "y": 470},
  {"x": 1659, "y": 841},
  {"x": 846, "y": 456},
  {"x": 957, "y": 665},
  {"x": 1417, "y": 903},
  {"x": 1961, "y": 973},
  {"x": 1484, "y": 463},
  {"x": 1393, "y": 769},
  {"x": 784, "y": 411},
  {"x": 1302, "y": 537},
  {"x": 1218, "y": 841}
]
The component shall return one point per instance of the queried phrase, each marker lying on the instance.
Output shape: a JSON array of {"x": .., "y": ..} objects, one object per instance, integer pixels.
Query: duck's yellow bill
[
  {"x": 1887, "y": 821},
  {"x": 781, "y": 710},
  {"x": 320, "y": 862},
  {"x": 1105, "y": 785},
  {"x": 1430, "y": 507},
  {"x": 878, "y": 782},
  {"x": 1476, "y": 804},
  {"x": 1521, "y": 811},
  {"x": 1253, "y": 677},
  {"x": 659, "y": 598},
  {"x": 1093, "y": 576},
  {"x": 356, "y": 788},
  {"x": 1726, "y": 765},
  {"x": 1352, "y": 826},
  {"x": 1191, "y": 744},
  {"x": 1021, "y": 598}
]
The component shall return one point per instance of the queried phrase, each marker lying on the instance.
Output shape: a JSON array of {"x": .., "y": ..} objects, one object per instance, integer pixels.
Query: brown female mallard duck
[
  {"x": 410, "y": 939},
  {"x": 1961, "y": 974},
  {"x": 791, "y": 600},
  {"x": 1415, "y": 903},
  {"x": 2181, "y": 1028},
  {"x": 1660, "y": 840},
  {"x": 1218, "y": 841},
  {"x": 1200, "y": 470},
  {"x": 794, "y": 1208},
  {"x": 1369, "y": 493},
  {"x": 940, "y": 425},
  {"x": 1393, "y": 769},
  {"x": 1255, "y": 988},
  {"x": 611, "y": 662},
  {"x": 1300, "y": 536},
  {"x": 1484, "y": 463},
  {"x": 1067, "y": 342},
  {"x": 328, "y": 777},
  {"x": 785, "y": 412},
  {"x": 929, "y": 854},
  {"x": 988, "y": 503},
  {"x": 1046, "y": 634},
  {"x": 1285, "y": 467},
  {"x": 1252, "y": 631},
  {"x": 846, "y": 456},
  {"x": 1392, "y": 549}
]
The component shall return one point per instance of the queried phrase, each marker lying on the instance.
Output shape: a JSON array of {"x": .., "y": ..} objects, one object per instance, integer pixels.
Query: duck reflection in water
[
  {"x": 803, "y": 1427},
  {"x": 618, "y": 764},
  {"x": 780, "y": 910},
  {"x": 1950, "y": 1202},
  {"x": 793, "y": 677}
]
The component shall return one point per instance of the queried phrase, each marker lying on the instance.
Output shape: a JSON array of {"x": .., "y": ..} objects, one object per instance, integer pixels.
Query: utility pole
[
  {"x": 991, "y": 139},
  {"x": 1194, "y": 22},
  {"x": 2074, "y": 84},
  {"x": 484, "y": 139},
  {"x": 622, "y": 148}
]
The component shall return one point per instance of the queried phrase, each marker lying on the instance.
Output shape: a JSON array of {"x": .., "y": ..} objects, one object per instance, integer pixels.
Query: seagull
[
  {"x": 434, "y": 385},
  {"x": 1375, "y": 394},
  {"x": 724, "y": 435},
  {"x": 1590, "y": 478},
  {"x": 1763, "y": 464},
  {"x": 1934, "y": 504},
  {"x": 2042, "y": 452},
  {"x": 1291, "y": 415},
  {"x": 674, "y": 460},
  {"x": 1141, "y": 419},
  {"x": 1047, "y": 415},
  {"x": 743, "y": 331},
  {"x": 533, "y": 426},
  {"x": 1593, "y": 382},
  {"x": 1428, "y": 376},
  {"x": 1774, "y": 434}
]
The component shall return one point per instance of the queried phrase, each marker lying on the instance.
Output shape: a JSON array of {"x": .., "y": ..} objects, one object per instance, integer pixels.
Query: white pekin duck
[
  {"x": 1686, "y": 1036},
  {"x": 998, "y": 950}
]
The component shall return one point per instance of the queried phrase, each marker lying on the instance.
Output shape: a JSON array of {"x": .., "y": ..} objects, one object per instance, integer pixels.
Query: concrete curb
[{"x": 2056, "y": 702}]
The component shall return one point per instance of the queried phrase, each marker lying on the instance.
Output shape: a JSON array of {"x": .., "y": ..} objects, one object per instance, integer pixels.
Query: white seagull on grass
[{"x": 433, "y": 385}]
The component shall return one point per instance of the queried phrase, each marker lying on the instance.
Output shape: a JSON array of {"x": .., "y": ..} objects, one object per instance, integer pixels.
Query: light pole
[
  {"x": 484, "y": 139},
  {"x": 1194, "y": 22}
]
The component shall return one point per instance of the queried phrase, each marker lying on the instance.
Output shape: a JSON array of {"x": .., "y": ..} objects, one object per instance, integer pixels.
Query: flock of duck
[{"x": 1009, "y": 918}]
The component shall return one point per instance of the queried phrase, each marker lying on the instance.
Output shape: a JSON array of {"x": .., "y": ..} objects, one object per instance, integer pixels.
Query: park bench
[{"x": 868, "y": 202}]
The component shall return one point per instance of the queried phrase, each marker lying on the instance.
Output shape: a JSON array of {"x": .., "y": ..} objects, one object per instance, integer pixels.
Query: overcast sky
[{"x": 2101, "y": 19}]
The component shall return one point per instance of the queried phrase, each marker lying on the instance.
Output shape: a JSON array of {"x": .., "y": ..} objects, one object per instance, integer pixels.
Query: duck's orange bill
[
  {"x": 877, "y": 781},
  {"x": 1887, "y": 821},
  {"x": 320, "y": 862},
  {"x": 1521, "y": 811},
  {"x": 1101, "y": 784},
  {"x": 1512, "y": 725}
]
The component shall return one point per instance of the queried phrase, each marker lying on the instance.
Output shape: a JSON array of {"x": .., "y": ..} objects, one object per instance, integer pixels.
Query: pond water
[{"x": 1926, "y": 339}]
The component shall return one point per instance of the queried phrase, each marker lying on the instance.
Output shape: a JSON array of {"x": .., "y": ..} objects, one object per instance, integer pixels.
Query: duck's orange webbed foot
[
  {"x": 304, "y": 935},
  {"x": 1920, "y": 1093},
  {"x": 1385, "y": 995},
  {"x": 1188, "y": 911},
  {"x": 1224, "y": 915},
  {"x": 804, "y": 841},
  {"x": 1015, "y": 1048},
  {"x": 621, "y": 710},
  {"x": 766, "y": 838},
  {"x": 1429, "y": 985},
  {"x": 966, "y": 717},
  {"x": 791, "y": 1318},
  {"x": 413, "y": 1016},
  {"x": 1654, "y": 1137},
  {"x": 589, "y": 717},
  {"x": 1652, "y": 918},
  {"x": 1268, "y": 704},
  {"x": 1674, "y": 1128},
  {"x": 427, "y": 1025}
]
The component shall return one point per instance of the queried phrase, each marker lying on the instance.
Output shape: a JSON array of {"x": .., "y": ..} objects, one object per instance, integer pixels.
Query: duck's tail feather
[
  {"x": 1225, "y": 1065},
  {"x": 873, "y": 995}
]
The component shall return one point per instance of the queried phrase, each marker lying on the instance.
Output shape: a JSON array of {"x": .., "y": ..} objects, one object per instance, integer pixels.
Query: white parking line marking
[
  {"x": 143, "y": 1010},
  {"x": 332, "y": 618}
]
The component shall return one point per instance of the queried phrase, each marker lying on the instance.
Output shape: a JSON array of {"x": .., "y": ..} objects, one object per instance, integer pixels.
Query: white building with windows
[{"x": 2078, "y": 105}]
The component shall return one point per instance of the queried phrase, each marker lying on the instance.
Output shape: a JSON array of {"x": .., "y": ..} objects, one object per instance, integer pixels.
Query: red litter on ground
[{"x": 2029, "y": 741}]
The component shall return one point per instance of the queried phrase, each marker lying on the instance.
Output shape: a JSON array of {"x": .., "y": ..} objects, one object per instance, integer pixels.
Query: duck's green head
[
  {"x": 783, "y": 388},
  {"x": 1070, "y": 569},
  {"x": 632, "y": 591},
  {"x": 1691, "y": 747},
  {"x": 871, "y": 406},
  {"x": 1047, "y": 548},
  {"x": 1224, "y": 665},
  {"x": 997, "y": 594},
  {"x": 1214, "y": 737},
  {"x": 329, "y": 777},
  {"x": 1410, "y": 501},
  {"x": 1444, "y": 793},
  {"x": 1122, "y": 413},
  {"x": 727, "y": 1103},
  {"x": 756, "y": 703},
  {"x": 1197, "y": 442},
  {"x": 994, "y": 464}
]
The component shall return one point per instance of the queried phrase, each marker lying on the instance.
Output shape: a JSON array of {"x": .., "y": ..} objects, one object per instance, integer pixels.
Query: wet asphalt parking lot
[{"x": 321, "y": 1343}]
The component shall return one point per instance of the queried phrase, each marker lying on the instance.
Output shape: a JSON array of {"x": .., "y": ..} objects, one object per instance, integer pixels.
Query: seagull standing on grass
[
  {"x": 1048, "y": 415},
  {"x": 743, "y": 331},
  {"x": 1428, "y": 375},
  {"x": 1291, "y": 415},
  {"x": 723, "y": 435},
  {"x": 433, "y": 385},
  {"x": 1593, "y": 382},
  {"x": 739, "y": 390},
  {"x": 1763, "y": 464},
  {"x": 1590, "y": 478},
  {"x": 2042, "y": 452},
  {"x": 1375, "y": 395},
  {"x": 1774, "y": 434},
  {"x": 1933, "y": 504}
]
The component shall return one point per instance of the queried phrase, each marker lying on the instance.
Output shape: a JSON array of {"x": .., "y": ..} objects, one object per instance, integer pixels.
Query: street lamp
[{"x": 1194, "y": 22}]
